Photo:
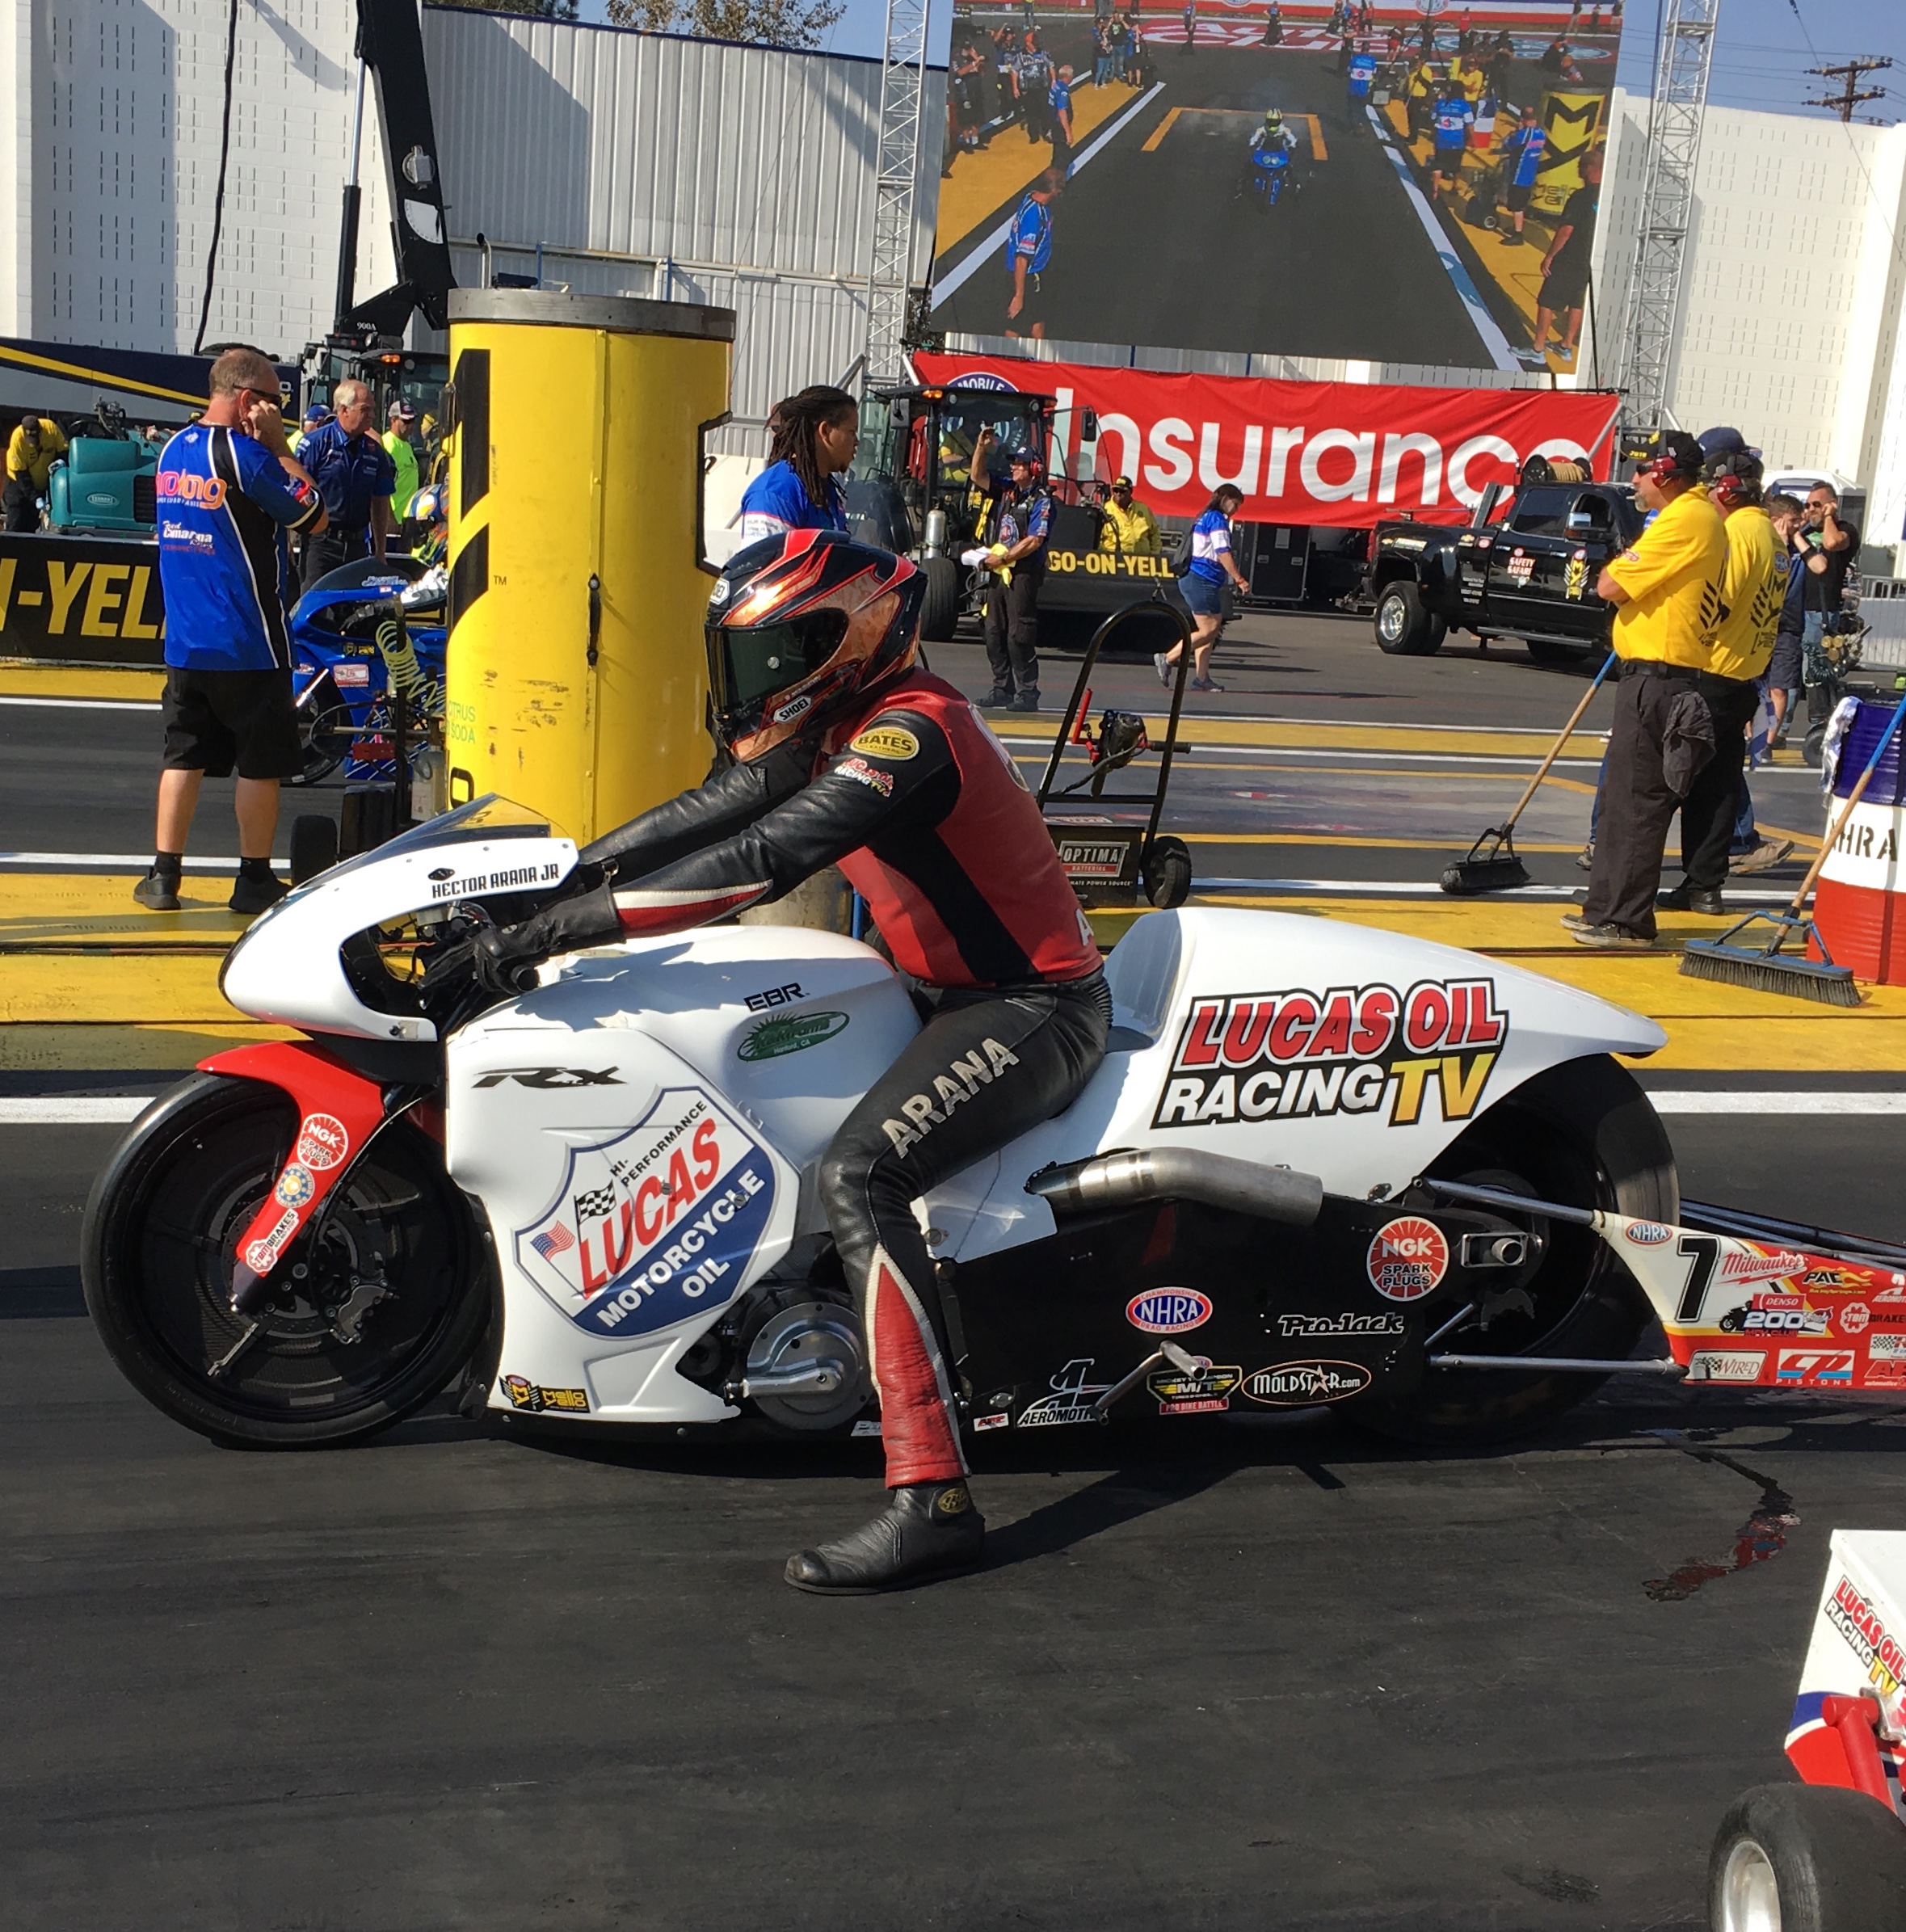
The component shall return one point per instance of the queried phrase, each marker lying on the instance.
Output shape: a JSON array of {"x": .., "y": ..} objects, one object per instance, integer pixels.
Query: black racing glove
[{"x": 503, "y": 959}]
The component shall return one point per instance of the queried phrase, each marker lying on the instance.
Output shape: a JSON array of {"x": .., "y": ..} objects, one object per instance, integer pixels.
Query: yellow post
[{"x": 577, "y": 680}]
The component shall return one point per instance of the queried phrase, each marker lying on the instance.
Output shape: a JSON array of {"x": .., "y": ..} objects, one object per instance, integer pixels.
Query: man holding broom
[{"x": 1666, "y": 591}]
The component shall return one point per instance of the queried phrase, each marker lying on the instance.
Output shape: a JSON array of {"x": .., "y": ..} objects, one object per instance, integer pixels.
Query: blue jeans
[{"x": 1747, "y": 835}]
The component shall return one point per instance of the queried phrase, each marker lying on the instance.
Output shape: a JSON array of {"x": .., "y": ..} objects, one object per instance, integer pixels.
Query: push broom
[
  {"x": 1491, "y": 865},
  {"x": 1765, "y": 969}
]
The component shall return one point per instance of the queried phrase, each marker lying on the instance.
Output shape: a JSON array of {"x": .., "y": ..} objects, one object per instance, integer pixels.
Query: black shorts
[
  {"x": 217, "y": 721},
  {"x": 1031, "y": 310},
  {"x": 1783, "y": 668},
  {"x": 1514, "y": 197},
  {"x": 1565, "y": 286}
]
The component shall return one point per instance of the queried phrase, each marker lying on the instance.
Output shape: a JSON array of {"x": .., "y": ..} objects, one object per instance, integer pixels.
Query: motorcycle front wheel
[{"x": 378, "y": 1303}]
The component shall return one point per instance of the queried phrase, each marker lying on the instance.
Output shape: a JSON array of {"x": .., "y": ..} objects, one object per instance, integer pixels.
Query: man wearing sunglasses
[{"x": 228, "y": 491}]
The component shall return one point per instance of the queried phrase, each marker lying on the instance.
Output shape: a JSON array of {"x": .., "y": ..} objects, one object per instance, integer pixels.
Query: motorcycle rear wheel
[
  {"x": 162, "y": 1226},
  {"x": 1582, "y": 1134}
]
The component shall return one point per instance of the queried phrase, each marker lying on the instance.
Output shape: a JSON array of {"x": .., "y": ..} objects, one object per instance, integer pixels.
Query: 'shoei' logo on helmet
[{"x": 1168, "y": 1310}]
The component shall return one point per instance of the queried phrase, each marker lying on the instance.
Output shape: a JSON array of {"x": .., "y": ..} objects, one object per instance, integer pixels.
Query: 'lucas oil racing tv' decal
[
  {"x": 656, "y": 1225},
  {"x": 1374, "y": 1050}
]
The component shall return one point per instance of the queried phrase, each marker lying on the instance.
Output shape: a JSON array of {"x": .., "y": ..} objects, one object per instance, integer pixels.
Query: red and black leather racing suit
[{"x": 922, "y": 808}]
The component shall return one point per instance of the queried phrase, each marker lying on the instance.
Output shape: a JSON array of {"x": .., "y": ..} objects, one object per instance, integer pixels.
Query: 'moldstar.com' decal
[{"x": 656, "y": 1225}]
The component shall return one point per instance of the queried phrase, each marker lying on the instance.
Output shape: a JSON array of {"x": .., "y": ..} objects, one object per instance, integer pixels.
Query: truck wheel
[
  {"x": 1404, "y": 628},
  {"x": 1166, "y": 869},
  {"x": 940, "y": 614},
  {"x": 1807, "y": 1858}
]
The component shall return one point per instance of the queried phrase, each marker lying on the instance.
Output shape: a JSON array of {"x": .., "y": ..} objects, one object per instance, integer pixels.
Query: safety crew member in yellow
[
  {"x": 1129, "y": 527},
  {"x": 35, "y": 446},
  {"x": 1666, "y": 591},
  {"x": 1753, "y": 587}
]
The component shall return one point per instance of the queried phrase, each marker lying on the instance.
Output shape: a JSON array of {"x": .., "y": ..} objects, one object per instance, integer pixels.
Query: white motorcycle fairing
[{"x": 642, "y": 1130}]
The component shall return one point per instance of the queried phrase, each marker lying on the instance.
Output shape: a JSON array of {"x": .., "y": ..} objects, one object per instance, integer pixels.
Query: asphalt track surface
[
  {"x": 1151, "y": 244},
  {"x": 1237, "y": 1674}
]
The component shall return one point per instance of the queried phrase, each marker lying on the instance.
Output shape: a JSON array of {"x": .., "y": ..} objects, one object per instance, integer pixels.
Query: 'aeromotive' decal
[
  {"x": 1350, "y": 1050},
  {"x": 657, "y": 1224}
]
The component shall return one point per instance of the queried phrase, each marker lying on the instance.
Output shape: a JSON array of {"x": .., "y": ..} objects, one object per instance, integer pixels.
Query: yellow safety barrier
[{"x": 577, "y": 681}]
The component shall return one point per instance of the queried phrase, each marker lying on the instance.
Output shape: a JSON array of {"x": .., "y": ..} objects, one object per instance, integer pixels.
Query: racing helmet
[
  {"x": 1273, "y": 120},
  {"x": 800, "y": 627},
  {"x": 1733, "y": 478},
  {"x": 429, "y": 505}
]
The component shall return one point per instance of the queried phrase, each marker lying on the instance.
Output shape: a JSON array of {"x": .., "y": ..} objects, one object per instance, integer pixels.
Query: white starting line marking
[
  {"x": 108, "y": 862},
  {"x": 85, "y": 703},
  {"x": 72, "y": 1110},
  {"x": 1671, "y": 1101}
]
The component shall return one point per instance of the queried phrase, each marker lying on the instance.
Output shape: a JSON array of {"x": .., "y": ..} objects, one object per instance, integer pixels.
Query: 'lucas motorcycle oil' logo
[
  {"x": 656, "y": 1225},
  {"x": 1350, "y": 1050}
]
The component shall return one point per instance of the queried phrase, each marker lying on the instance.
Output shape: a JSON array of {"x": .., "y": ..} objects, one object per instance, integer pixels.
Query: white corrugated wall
[{"x": 694, "y": 169}]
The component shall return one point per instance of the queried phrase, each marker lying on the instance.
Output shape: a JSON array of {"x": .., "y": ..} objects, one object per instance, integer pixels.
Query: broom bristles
[{"x": 1770, "y": 973}]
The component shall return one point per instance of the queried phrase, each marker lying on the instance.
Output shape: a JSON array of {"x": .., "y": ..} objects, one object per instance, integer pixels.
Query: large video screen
[{"x": 1396, "y": 184}]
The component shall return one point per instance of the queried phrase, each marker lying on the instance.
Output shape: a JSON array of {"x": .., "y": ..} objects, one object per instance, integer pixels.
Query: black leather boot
[{"x": 927, "y": 1529}]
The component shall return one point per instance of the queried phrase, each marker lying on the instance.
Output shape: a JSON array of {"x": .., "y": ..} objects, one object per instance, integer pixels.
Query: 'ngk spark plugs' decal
[
  {"x": 1349, "y": 1050},
  {"x": 656, "y": 1225}
]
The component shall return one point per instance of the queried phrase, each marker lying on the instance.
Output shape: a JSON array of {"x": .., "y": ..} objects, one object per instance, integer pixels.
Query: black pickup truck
[{"x": 1528, "y": 571}]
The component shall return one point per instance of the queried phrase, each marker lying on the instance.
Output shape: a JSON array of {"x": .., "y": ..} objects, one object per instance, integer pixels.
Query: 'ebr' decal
[
  {"x": 1351, "y": 1050},
  {"x": 656, "y": 1225}
]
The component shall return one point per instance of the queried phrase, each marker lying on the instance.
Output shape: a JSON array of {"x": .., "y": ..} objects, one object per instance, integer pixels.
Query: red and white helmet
[{"x": 800, "y": 627}]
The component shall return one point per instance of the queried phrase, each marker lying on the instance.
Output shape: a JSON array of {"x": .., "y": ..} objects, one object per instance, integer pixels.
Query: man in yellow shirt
[
  {"x": 1753, "y": 588},
  {"x": 1129, "y": 527},
  {"x": 1666, "y": 591},
  {"x": 32, "y": 451}
]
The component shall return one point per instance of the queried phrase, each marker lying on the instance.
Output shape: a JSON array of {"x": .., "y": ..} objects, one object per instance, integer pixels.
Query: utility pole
[
  {"x": 1674, "y": 114},
  {"x": 897, "y": 163},
  {"x": 1851, "y": 94}
]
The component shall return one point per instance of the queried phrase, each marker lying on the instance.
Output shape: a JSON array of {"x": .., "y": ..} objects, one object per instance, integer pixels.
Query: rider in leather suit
[{"x": 846, "y": 753}]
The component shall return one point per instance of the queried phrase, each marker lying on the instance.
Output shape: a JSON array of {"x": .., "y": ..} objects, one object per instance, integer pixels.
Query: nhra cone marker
[{"x": 578, "y": 683}]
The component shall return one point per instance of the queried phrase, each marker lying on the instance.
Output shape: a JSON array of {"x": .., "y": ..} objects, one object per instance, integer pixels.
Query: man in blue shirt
[
  {"x": 228, "y": 490},
  {"x": 1363, "y": 76},
  {"x": 1059, "y": 107},
  {"x": 1521, "y": 159},
  {"x": 1029, "y": 248},
  {"x": 1450, "y": 115},
  {"x": 354, "y": 476}
]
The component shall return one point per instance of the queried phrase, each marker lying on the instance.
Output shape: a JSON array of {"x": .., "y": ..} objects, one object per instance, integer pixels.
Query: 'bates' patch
[{"x": 657, "y": 1225}]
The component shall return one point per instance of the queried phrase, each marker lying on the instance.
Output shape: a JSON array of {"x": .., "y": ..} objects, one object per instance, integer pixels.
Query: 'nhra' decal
[
  {"x": 656, "y": 1225},
  {"x": 1350, "y": 1050},
  {"x": 1168, "y": 1310},
  {"x": 1647, "y": 1234}
]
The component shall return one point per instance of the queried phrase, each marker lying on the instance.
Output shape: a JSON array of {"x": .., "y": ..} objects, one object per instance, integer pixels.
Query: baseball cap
[
  {"x": 1676, "y": 454},
  {"x": 316, "y": 413},
  {"x": 1122, "y": 483},
  {"x": 403, "y": 411},
  {"x": 1018, "y": 456},
  {"x": 1723, "y": 441}
]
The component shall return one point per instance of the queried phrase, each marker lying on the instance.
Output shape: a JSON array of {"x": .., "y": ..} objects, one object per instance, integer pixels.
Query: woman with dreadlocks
[{"x": 812, "y": 438}]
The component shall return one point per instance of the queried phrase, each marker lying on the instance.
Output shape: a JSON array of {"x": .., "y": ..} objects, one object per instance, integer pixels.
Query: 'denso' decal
[
  {"x": 1374, "y": 1050},
  {"x": 656, "y": 1225}
]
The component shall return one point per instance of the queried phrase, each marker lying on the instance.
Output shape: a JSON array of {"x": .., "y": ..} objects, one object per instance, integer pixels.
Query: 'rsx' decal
[{"x": 1348, "y": 1049}]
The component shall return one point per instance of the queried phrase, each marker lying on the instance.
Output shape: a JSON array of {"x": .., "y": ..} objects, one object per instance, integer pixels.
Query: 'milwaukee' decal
[{"x": 1351, "y": 1050}]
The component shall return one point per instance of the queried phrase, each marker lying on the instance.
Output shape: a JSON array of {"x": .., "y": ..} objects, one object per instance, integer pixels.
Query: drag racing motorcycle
[
  {"x": 1269, "y": 177},
  {"x": 1320, "y": 1164},
  {"x": 359, "y": 630}
]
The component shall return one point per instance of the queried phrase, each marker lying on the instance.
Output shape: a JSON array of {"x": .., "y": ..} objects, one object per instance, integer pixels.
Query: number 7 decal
[{"x": 1702, "y": 1252}]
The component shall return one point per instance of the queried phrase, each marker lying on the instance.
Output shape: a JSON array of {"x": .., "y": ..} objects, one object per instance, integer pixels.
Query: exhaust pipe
[{"x": 1113, "y": 1180}]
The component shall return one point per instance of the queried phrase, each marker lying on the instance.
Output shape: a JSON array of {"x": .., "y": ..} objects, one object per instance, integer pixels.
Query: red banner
[{"x": 1347, "y": 453}]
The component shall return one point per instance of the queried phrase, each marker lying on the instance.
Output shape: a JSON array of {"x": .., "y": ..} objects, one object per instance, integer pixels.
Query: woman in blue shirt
[
  {"x": 1204, "y": 586},
  {"x": 812, "y": 439}
]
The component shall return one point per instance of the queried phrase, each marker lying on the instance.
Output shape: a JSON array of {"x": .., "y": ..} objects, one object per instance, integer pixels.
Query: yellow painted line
[
  {"x": 1157, "y": 133},
  {"x": 158, "y": 988},
  {"x": 46, "y": 907},
  {"x": 119, "y": 1047},
  {"x": 103, "y": 378},
  {"x": 980, "y": 184},
  {"x": 20, "y": 679},
  {"x": 1278, "y": 731},
  {"x": 1352, "y": 841},
  {"x": 1318, "y": 152}
]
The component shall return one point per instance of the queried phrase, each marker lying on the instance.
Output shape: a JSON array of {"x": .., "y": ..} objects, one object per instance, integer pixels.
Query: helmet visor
[{"x": 749, "y": 666}]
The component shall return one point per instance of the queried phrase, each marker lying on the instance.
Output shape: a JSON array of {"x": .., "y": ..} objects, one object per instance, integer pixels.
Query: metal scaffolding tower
[
  {"x": 1674, "y": 115},
  {"x": 889, "y": 274}
]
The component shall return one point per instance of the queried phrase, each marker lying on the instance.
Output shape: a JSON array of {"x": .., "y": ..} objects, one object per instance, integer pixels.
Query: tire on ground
[
  {"x": 1580, "y": 1134},
  {"x": 1166, "y": 869},
  {"x": 1834, "y": 1859},
  {"x": 1403, "y": 628},
  {"x": 940, "y": 614},
  {"x": 313, "y": 846}
]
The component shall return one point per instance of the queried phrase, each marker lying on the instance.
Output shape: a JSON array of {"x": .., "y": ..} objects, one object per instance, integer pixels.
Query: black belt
[{"x": 1681, "y": 674}]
